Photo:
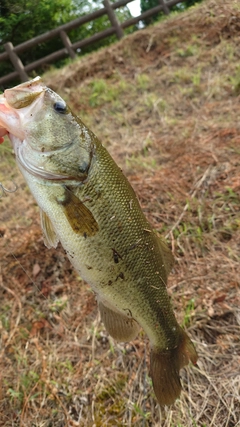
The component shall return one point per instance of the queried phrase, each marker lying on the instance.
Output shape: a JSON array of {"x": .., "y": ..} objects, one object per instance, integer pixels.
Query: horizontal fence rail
[{"x": 21, "y": 70}]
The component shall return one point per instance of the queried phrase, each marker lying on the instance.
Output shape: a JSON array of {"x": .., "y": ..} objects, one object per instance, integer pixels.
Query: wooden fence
[{"x": 11, "y": 52}]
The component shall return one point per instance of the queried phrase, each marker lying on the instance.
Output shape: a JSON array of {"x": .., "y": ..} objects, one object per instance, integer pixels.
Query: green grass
[{"x": 189, "y": 313}]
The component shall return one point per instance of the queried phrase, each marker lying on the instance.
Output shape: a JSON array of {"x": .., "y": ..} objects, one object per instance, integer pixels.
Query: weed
[
  {"x": 182, "y": 76},
  {"x": 4, "y": 317},
  {"x": 66, "y": 366},
  {"x": 191, "y": 50},
  {"x": 196, "y": 78},
  {"x": 28, "y": 380},
  {"x": 142, "y": 81},
  {"x": 155, "y": 104},
  {"x": 59, "y": 305},
  {"x": 188, "y": 314},
  {"x": 146, "y": 145},
  {"x": 15, "y": 396},
  {"x": 235, "y": 81},
  {"x": 230, "y": 50},
  {"x": 138, "y": 410},
  {"x": 99, "y": 88},
  {"x": 102, "y": 92},
  {"x": 147, "y": 163}
]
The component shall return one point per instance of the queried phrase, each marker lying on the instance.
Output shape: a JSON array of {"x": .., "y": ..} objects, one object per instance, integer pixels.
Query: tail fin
[{"x": 165, "y": 366}]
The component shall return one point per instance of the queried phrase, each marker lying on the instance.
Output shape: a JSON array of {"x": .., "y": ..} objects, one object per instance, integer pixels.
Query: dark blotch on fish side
[{"x": 116, "y": 256}]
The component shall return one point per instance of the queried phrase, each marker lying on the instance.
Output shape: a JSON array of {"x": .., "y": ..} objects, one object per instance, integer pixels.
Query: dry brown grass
[{"x": 165, "y": 101}]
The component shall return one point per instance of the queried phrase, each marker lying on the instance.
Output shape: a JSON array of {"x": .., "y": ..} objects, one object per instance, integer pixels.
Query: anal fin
[{"x": 119, "y": 326}]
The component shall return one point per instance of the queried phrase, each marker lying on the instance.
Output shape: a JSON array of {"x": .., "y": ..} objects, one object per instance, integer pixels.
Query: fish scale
[
  {"x": 135, "y": 245},
  {"x": 88, "y": 205}
]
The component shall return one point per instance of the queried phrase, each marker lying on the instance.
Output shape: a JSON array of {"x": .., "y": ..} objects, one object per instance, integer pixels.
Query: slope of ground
[{"x": 166, "y": 103}]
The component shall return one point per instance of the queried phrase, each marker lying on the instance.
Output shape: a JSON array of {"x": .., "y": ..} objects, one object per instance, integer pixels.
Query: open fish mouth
[
  {"x": 25, "y": 100},
  {"x": 13, "y": 104},
  {"x": 22, "y": 95}
]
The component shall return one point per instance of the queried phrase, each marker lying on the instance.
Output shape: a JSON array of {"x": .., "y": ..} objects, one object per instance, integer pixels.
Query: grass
[{"x": 165, "y": 102}]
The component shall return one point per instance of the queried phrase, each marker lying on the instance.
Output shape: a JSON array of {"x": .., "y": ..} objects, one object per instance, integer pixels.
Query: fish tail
[{"x": 165, "y": 366}]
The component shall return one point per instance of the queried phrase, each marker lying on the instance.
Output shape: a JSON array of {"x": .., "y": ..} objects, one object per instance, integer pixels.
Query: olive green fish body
[
  {"x": 89, "y": 206},
  {"x": 123, "y": 259}
]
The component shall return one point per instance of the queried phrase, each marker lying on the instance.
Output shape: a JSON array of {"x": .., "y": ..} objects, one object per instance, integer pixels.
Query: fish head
[{"x": 48, "y": 139}]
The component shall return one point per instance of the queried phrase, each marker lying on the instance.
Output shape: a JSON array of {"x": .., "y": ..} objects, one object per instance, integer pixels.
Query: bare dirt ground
[{"x": 165, "y": 101}]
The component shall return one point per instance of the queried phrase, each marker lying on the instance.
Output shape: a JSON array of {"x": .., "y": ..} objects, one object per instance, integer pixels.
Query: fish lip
[
  {"x": 14, "y": 100},
  {"x": 32, "y": 88}
]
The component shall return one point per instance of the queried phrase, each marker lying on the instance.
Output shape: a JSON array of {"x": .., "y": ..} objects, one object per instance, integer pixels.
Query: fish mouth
[
  {"x": 23, "y": 95},
  {"x": 13, "y": 105}
]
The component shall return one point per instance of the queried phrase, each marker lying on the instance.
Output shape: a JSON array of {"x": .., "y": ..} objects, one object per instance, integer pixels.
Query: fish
[{"x": 87, "y": 204}]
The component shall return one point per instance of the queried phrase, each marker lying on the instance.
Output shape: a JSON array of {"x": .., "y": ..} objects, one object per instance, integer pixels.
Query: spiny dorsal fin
[
  {"x": 79, "y": 216},
  {"x": 49, "y": 236},
  {"x": 119, "y": 326}
]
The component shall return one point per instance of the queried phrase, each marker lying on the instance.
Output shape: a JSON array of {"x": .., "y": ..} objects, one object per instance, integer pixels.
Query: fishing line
[{"x": 4, "y": 190}]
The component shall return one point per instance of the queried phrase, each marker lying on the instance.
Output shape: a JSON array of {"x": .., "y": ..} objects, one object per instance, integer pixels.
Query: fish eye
[{"x": 60, "y": 107}]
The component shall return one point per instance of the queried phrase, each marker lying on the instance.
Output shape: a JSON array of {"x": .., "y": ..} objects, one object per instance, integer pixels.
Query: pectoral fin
[
  {"x": 79, "y": 216},
  {"x": 49, "y": 236},
  {"x": 120, "y": 327}
]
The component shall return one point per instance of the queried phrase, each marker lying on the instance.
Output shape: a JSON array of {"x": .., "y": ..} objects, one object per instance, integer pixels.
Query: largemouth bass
[{"x": 87, "y": 204}]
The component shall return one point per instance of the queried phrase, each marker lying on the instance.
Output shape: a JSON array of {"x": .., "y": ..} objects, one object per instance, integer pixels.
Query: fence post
[
  {"x": 113, "y": 19},
  {"x": 16, "y": 61},
  {"x": 164, "y": 7},
  {"x": 67, "y": 43}
]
